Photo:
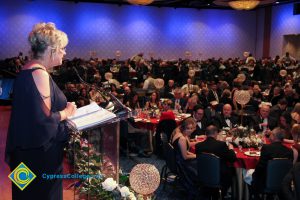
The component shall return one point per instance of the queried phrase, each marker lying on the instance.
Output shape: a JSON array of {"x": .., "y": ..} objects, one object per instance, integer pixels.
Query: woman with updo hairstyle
[
  {"x": 181, "y": 143},
  {"x": 37, "y": 131}
]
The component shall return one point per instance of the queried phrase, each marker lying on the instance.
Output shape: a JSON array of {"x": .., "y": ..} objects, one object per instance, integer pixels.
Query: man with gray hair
[{"x": 268, "y": 152}]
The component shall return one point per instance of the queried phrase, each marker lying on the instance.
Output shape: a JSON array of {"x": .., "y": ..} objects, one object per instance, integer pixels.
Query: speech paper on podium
[{"x": 89, "y": 116}]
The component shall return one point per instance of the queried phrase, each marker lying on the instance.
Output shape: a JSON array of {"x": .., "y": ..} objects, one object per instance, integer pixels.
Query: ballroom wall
[
  {"x": 283, "y": 23},
  {"x": 165, "y": 32}
]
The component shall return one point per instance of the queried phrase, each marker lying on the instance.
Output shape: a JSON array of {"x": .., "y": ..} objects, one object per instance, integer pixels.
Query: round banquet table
[
  {"x": 151, "y": 123},
  {"x": 243, "y": 163},
  {"x": 145, "y": 122}
]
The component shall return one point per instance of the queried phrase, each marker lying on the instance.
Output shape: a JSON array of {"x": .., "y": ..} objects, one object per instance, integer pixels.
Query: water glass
[{"x": 240, "y": 147}]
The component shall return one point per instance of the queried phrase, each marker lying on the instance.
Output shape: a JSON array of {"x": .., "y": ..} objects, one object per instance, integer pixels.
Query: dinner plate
[{"x": 252, "y": 153}]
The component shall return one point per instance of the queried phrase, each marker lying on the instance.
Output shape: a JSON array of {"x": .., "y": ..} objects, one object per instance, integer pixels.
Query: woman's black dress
[
  {"x": 188, "y": 168},
  {"x": 36, "y": 137}
]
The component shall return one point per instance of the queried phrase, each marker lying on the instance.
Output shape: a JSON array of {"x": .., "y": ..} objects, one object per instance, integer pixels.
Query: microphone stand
[{"x": 121, "y": 111}]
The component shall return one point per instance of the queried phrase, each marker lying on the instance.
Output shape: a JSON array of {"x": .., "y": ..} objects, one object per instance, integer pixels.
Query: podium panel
[{"x": 95, "y": 155}]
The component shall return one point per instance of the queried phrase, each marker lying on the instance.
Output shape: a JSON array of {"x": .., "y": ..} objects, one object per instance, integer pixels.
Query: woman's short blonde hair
[{"x": 44, "y": 35}]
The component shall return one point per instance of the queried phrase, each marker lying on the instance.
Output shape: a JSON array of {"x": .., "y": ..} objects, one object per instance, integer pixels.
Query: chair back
[
  {"x": 276, "y": 171},
  {"x": 209, "y": 170},
  {"x": 170, "y": 157}
]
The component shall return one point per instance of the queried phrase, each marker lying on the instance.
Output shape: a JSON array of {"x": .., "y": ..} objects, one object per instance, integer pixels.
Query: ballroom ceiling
[{"x": 198, "y": 4}]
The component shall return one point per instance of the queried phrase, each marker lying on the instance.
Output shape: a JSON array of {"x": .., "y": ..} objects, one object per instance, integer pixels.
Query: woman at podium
[{"x": 37, "y": 132}]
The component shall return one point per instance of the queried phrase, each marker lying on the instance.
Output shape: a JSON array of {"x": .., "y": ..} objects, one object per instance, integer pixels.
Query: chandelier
[
  {"x": 243, "y": 4},
  {"x": 140, "y": 2}
]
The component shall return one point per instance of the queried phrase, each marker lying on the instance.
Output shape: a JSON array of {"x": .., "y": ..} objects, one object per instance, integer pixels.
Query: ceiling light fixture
[
  {"x": 243, "y": 4},
  {"x": 140, "y": 2}
]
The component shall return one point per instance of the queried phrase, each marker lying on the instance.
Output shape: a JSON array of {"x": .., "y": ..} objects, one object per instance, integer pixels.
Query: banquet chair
[
  {"x": 169, "y": 170},
  {"x": 276, "y": 171},
  {"x": 209, "y": 172},
  {"x": 164, "y": 129}
]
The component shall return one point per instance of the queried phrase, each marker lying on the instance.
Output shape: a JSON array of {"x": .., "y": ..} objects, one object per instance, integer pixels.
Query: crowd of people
[{"x": 207, "y": 89}]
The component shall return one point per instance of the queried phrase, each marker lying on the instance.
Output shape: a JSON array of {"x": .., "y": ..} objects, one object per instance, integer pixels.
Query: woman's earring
[{"x": 51, "y": 55}]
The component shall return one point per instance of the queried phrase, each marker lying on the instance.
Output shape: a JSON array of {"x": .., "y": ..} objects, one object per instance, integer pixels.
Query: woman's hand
[{"x": 70, "y": 109}]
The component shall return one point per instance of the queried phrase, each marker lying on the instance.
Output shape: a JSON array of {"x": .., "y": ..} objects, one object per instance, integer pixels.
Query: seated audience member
[
  {"x": 169, "y": 89},
  {"x": 263, "y": 121},
  {"x": 285, "y": 121},
  {"x": 296, "y": 113},
  {"x": 178, "y": 102},
  {"x": 268, "y": 152},
  {"x": 226, "y": 97},
  {"x": 166, "y": 105},
  {"x": 149, "y": 82},
  {"x": 211, "y": 111},
  {"x": 71, "y": 93},
  {"x": 201, "y": 121},
  {"x": 203, "y": 97},
  {"x": 188, "y": 87},
  {"x": 296, "y": 139},
  {"x": 192, "y": 101},
  {"x": 213, "y": 94},
  {"x": 127, "y": 94},
  {"x": 278, "y": 109},
  {"x": 276, "y": 95},
  {"x": 181, "y": 143},
  {"x": 133, "y": 101},
  {"x": 226, "y": 118},
  {"x": 220, "y": 149},
  {"x": 153, "y": 102},
  {"x": 257, "y": 95}
]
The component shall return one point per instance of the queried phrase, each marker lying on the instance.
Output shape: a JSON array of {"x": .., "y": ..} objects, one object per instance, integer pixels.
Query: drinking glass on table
[
  {"x": 240, "y": 146},
  {"x": 259, "y": 146}
]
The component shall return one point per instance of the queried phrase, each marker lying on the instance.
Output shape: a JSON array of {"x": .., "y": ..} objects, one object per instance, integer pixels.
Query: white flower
[
  {"x": 131, "y": 196},
  {"x": 247, "y": 140},
  {"x": 237, "y": 141},
  {"x": 109, "y": 184},
  {"x": 125, "y": 191}
]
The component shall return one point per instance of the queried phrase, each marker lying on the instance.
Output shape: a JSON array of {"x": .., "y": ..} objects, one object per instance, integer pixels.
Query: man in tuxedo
[
  {"x": 168, "y": 91},
  {"x": 213, "y": 94},
  {"x": 220, "y": 149},
  {"x": 198, "y": 115},
  {"x": 226, "y": 118},
  {"x": 268, "y": 152},
  {"x": 263, "y": 121}
]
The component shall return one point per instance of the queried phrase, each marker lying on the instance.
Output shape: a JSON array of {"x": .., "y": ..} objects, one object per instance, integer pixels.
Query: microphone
[
  {"x": 115, "y": 105},
  {"x": 90, "y": 85}
]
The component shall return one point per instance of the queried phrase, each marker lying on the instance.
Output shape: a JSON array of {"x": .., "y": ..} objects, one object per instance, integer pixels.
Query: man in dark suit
[
  {"x": 220, "y": 149},
  {"x": 198, "y": 115},
  {"x": 179, "y": 102},
  {"x": 268, "y": 152},
  {"x": 278, "y": 109},
  {"x": 226, "y": 118},
  {"x": 169, "y": 88},
  {"x": 213, "y": 94},
  {"x": 263, "y": 121}
]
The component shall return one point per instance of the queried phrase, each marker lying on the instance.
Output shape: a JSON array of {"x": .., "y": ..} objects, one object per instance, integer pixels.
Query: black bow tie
[{"x": 227, "y": 118}]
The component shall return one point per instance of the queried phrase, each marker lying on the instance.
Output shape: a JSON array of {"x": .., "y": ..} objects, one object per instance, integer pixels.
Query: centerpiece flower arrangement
[
  {"x": 245, "y": 137},
  {"x": 88, "y": 161}
]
